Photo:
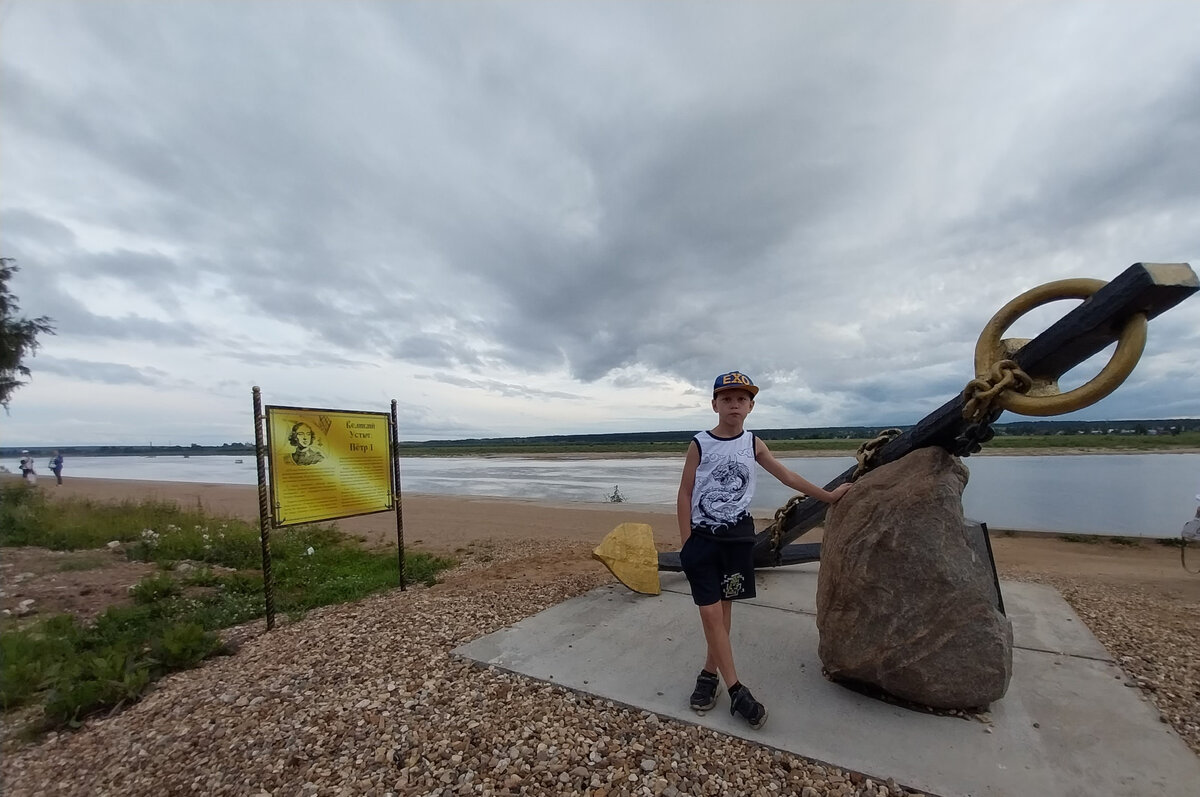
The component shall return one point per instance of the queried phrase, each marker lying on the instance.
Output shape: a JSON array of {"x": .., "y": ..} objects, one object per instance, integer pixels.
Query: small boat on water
[{"x": 237, "y": 462}]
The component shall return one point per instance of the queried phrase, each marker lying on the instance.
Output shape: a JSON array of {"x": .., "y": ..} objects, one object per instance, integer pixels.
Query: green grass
[
  {"x": 1037, "y": 443},
  {"x": 79, "y": 563},
  {"x": 1089, "y": 539},
  {"x": 1095, "y": 539},
  {"x": 75, "y": 670},
  {"x": 673, "y": 448},
  {"x": 850, "y": 446},
  {"x": 1113, "y": 442}
]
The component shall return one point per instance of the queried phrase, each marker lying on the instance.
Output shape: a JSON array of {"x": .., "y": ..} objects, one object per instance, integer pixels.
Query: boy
[{"x": 717, "y": 532}]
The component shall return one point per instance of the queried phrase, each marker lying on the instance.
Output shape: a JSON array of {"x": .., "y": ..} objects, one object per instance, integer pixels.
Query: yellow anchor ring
[{"x": 989, "y": 350}]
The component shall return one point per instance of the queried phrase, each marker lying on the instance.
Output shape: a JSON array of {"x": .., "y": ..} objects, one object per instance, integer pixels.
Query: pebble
[{"x": 365, "y": 698}]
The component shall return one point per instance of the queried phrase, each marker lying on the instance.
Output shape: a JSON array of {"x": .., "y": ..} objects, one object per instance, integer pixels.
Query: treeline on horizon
[{"x": 648, "y": 440}]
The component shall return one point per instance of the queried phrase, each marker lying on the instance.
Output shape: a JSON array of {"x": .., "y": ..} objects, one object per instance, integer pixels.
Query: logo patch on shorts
[{"x": 731, "y": 585}]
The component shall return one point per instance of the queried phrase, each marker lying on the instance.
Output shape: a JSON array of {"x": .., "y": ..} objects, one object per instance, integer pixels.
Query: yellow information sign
[{"x": 328, "y": 464}]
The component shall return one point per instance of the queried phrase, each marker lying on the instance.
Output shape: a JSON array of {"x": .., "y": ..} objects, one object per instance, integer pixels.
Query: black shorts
[{"x": 719, "y": 568}]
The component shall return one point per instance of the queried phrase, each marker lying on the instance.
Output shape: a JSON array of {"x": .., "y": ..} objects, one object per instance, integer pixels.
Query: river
[{"x": 1136, "y": 495}]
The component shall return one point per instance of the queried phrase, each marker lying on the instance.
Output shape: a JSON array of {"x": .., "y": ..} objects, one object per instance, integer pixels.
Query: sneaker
[
  {"x": 751, "y": 710},
  {"x": 705, "y": 695}
]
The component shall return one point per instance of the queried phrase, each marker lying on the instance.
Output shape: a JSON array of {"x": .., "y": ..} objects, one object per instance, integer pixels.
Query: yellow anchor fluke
[{"x": 628, "y": 551}]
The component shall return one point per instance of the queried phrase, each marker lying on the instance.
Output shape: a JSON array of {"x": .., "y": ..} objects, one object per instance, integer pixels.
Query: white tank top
[{"x": 725, "y": 479}]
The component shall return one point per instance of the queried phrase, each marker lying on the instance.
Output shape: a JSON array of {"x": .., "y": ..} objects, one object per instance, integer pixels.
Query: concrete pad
[{"x": 1068, "y": 725}]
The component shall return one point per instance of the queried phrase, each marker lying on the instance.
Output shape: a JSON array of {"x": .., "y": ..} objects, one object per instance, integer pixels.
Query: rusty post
[{"x": 264, "y": 510}]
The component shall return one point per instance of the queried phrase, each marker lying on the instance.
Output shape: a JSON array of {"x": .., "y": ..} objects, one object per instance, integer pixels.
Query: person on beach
[
  {"x": 717, "y": 533},
  {"x": 27, "y": 468},
  {"x": 56, "y": 466}
]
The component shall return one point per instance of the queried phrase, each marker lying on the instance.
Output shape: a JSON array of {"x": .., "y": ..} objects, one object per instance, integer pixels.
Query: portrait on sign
[{"x": 305, "y": 444}]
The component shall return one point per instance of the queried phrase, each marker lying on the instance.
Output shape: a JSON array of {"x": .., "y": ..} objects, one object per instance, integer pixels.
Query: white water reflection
[{"x": 1127, "y": 494}]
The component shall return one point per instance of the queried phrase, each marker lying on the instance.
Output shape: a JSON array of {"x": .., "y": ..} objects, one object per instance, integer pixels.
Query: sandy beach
[
  {"x": 438, "y": 523},
  {"x": 445, "y": 524},
  {"x": 364, "y": 698}
]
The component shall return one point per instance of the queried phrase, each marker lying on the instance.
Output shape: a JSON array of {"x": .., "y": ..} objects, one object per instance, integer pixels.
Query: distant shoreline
[
  {"x": 782, "y": 451},
  {"x": 1020, "y": 438},
  {"x": 789, "y": 453}
]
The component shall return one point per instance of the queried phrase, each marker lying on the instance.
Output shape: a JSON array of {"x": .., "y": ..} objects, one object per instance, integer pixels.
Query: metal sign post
[
  {"x": 264, "y": 511},
  {"x": 399, "y": 511}
]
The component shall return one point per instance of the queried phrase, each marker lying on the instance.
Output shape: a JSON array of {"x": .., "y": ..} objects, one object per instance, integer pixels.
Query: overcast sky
[{"x": 545, "y": 218}]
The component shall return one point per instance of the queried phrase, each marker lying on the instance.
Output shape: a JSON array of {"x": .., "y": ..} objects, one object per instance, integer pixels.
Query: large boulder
[{"x": 904, "y": 601}]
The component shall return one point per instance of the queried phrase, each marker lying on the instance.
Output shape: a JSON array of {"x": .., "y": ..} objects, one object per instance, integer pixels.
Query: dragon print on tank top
[{"x": 725, "y": 479}]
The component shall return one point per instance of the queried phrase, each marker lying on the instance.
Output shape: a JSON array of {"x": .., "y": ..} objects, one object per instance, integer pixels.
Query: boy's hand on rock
[{"x": 837, "y": 493}]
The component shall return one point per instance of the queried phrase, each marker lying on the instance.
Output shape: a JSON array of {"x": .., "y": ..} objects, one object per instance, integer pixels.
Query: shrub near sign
[{"x": 328, "y": 464}]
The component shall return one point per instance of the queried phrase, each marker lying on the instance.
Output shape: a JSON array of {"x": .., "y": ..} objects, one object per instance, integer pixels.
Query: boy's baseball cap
[{"x": 734, "y": 380}]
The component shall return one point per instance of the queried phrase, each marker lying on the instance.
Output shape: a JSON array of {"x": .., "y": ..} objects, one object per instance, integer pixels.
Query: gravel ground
[{"x": 365, "y": 699}]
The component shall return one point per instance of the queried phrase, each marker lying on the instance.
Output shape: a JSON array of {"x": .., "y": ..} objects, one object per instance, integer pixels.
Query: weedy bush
[
  {"x": 21, "y": 510},
  {"x": 87, "y": 562},
  {"x": 183, "y": 646},
  {"x": 77, "y": 670},
  {"x": 82, "y": 685},
  {"x": 154, "y": 588},
  {"x": 204, "y": 577},
  {"x": 25, "y": 654},
  {"x": 226, "y": 542},
  {"x": 28, "y": 518}
]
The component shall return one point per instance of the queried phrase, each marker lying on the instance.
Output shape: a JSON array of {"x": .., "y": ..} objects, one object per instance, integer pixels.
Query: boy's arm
[
  {"x": 683, "y": 502},
  {"x": 794, "y": 480}
]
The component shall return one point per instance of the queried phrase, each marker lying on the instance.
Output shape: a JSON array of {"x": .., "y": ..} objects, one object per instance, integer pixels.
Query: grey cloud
[
  {"x": 135, "y": 328},
  {"x": 801, "y": 408},
  {"x": 107, "y": 130},
  {"x": 639, "y": 379},
  {"x": 501, "y": 388},
  {"x": 673, "y": 191},
  {"x": 108, "y": 373},
  {"x": 141, "y": 269},
  {"x": 21, "y": 227},
  {"x": 73, "y": 319},
  {"x": 435, "y": 350},
  {"x": 263, "y": 356},
  {"x": 49, "y": 271},
  {"x": 674, "y": 200}
]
